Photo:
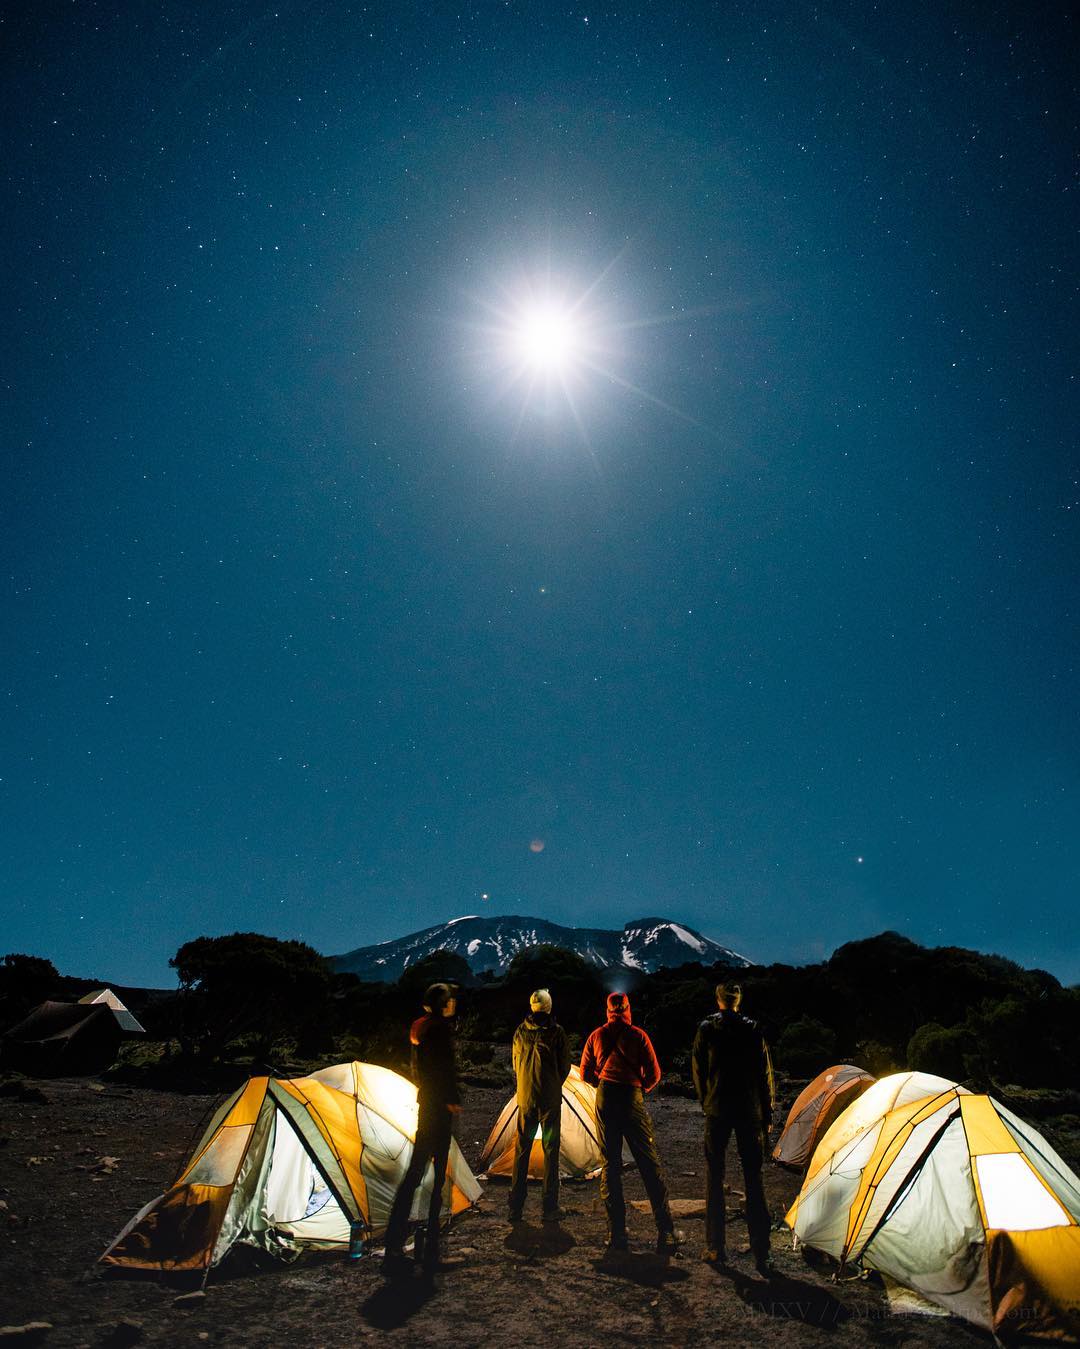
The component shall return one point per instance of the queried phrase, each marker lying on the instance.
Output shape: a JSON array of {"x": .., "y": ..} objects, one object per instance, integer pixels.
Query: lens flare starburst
[{"x": 560, "y": 350}]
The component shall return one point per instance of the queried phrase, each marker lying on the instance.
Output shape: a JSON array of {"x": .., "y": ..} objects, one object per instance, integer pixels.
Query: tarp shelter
[
  {"x": 953, "y": 1196},
  {"x": 289, "y": 1164},
  {"x": 57, "y": 1038},
  {"x": 127, "y": 1021},
  {"x": 579, "y": 1150},
  {"x": 815, "y": 1108}
]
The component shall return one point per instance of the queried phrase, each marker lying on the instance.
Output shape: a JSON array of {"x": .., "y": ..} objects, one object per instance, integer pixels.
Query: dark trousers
[
  {"x": 621, "y": 1117},
  {"x": 549, "y": 1120},
  {"x": 748, "y": 1139},
  {"x": 433, "y": 1134}
]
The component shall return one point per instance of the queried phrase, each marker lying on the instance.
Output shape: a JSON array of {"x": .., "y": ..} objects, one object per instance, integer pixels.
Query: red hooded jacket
[{"x": 620, "y": 1052}]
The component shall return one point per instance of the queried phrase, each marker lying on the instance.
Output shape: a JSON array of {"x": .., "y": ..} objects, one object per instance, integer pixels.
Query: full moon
[{"x": 545, "y": 337}]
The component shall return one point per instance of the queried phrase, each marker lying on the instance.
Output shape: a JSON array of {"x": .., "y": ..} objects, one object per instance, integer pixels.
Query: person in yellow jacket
[{"x": 541, "y": 1063}]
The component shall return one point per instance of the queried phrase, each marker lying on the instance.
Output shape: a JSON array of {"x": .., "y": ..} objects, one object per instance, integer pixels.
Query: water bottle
[{"x": 356, "y": 1240}]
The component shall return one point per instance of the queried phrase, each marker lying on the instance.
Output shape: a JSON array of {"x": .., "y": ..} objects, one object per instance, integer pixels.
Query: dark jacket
[
  {"x": 541, "y": 1061},
  {"x": 434, "y": 1061},
  {"x": 619, "y": 1051},
  {"x": 732, "y": 1069}
]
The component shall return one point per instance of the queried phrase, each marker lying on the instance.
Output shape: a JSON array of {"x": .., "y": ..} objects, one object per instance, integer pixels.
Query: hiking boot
[
  {"x": 711, "y": 1256},
  {"x": 618, "y": 1242},
  {"x": 515, "y": 1216},
  {"x": 765, "y": 1267},
  {"x": 554, "y": 1215},
  {"x": 668, "y": 1240}
]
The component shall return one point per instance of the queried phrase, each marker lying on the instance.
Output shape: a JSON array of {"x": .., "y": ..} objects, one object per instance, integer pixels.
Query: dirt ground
[{"x": 78, "y": 1158}]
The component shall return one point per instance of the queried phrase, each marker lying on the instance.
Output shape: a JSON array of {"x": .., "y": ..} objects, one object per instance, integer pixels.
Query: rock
[{"x": 29, "y": 1333}]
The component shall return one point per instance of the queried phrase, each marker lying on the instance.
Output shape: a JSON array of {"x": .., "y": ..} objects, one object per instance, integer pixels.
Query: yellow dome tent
[
  {"x": 289, "y": 1164},
  {"x": 951, "y": 1195},
  {"x": 579, "y": 1150}
]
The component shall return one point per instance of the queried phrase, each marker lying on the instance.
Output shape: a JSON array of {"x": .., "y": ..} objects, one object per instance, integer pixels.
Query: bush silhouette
[
  {"x": 806, "y": 1048},
  {"x": 947, "y": 1051},
  {"x": 248, "y": 984}
]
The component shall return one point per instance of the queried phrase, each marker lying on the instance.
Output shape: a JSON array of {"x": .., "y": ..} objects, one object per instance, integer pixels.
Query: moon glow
[{"x": 545, "y": 337}]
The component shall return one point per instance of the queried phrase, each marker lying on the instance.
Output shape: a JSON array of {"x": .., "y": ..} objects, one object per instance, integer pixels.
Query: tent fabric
[
  {"x": 886, "y": 1094},
  {"x": 953, "y": 1197},
  {"x": 815, "y": 1108},
  {"x": 579, "y": 1148},
  {"x": 289, "y": 1164},
  {"x": 63, "y": 1037},
  {"x": 127, "y": 1022}
]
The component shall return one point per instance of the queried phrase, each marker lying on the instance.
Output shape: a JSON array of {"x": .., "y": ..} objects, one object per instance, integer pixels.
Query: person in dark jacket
[
  {"x": 619, "y": 1060},
  {"x": 541, "y": 1063},
  {"x": 733, "y": 1078},
  {"x": 438, "y": 1098}
]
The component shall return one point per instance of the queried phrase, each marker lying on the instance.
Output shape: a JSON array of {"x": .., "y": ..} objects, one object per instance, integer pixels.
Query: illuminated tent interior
[
  {"x": 288, "y": 1165},
  {"x": 815, "y": 1108},
  {"x": 952, "y": 1196}
]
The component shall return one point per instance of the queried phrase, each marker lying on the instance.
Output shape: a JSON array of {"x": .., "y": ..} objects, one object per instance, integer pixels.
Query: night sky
[{"x": 325, "y": 614}]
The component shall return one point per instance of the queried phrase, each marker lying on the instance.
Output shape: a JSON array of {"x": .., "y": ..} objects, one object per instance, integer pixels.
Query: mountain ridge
[{"x": 489, "y": 944}]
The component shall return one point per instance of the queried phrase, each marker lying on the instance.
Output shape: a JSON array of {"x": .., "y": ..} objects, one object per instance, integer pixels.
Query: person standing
[
  {"x": 541, "y": 1062},
  {"x": 733, "y": 1078},
  {"x": 438, "y": 1098},
  {"x": 619, "y": 1060}
]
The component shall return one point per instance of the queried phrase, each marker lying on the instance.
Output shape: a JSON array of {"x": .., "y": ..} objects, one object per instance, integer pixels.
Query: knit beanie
[
  {"x": 437, "y": 996},
  {"x": 540, "y": 1001}
]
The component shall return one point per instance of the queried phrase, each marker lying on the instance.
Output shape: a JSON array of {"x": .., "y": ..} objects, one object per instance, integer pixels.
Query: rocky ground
[{"x": 78, "y": 1158}]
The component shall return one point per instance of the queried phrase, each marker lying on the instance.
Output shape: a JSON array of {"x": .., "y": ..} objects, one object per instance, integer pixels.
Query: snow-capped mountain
[{"x": 491, "y": 943}]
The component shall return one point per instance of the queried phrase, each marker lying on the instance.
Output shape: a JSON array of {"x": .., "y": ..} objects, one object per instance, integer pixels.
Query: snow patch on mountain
[
  {"x": 629, "y": 959},
  {"x": 691, "y": 940}
]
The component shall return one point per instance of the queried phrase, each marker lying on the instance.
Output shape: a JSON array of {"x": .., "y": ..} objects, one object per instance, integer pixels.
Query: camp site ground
[{"x": 79, "y": 1157}]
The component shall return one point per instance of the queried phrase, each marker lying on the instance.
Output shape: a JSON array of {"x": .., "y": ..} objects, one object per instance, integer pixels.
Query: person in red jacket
[{"x": 620, "y": 1062}]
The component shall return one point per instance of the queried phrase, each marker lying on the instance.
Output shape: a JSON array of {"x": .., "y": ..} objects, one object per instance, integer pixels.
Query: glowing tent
[
  {"x": 287, "y": 1165},
  {"x": 953, "y": 1196},
  {"x": 579, "y": 1151},
  {"x": 815, "y": 1108}
]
